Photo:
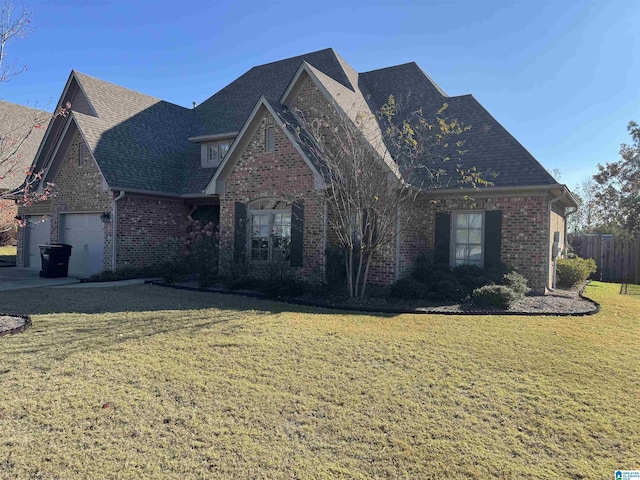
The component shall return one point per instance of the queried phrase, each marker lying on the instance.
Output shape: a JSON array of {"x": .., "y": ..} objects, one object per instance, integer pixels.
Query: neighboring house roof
[{"x": 19, "y": 141}]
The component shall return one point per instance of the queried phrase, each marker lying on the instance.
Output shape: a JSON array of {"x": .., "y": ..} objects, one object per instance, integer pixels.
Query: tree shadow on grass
[{"x": 68, "y": 321}]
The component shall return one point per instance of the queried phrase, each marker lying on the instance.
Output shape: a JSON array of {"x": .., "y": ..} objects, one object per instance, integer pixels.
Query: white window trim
[
  {"x": 452, "y": 236},
  {"x": 205, "y": 153},
  {"x": 250, "y": 237}
]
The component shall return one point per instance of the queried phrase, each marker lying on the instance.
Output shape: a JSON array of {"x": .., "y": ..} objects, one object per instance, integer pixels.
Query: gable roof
[
  {"x": 293, "y": 130},
  {"x": 19, "y": 141},
  {"x": 228, "y": 109},
  {"x": 488, "y": 146},
  {"x": 142, "y": 143},
  {"x": 139, "y": 142}
]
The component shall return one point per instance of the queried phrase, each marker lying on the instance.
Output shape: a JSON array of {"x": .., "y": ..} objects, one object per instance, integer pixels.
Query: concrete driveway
[{"x": 13, "y": 278}]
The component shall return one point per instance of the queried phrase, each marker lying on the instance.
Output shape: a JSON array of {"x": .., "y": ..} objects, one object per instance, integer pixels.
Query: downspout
[
  {"x": 114, "y": 234},
  {"x": 398, "y": 245},
  {"x": 555, "y": 266}
]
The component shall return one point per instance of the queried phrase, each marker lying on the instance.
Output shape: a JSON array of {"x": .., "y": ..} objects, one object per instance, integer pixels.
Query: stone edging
[
  {"x": 364, "y": 309},
  {"x": 21, "y": 328}
]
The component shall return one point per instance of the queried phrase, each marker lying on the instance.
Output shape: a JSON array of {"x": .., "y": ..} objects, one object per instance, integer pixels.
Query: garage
[
  {"x": 85, "y": 233},
  {"x": 38, "y": 232}
]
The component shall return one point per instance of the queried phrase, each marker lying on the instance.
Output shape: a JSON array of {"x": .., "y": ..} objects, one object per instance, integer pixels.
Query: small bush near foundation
[
  {"x": 516, "y": 282},
  {"x": 499, "y": 296},
  {"x": 575, "y": 271},
  {"x": 428, "y": 271},
  {"x": 127, "y": 273},
  {"x": 282, "y": 288},
  {"x": 408, "y": 288},
  {"x": 450, "y": 288}
]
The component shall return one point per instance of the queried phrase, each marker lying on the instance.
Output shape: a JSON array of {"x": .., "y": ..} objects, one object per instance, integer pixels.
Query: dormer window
[{"x": 213, "y": 153}]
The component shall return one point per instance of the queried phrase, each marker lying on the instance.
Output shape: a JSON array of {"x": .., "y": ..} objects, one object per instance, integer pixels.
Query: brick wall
[
  {"x": 525, "y": 233},
  {"x": 150, "y": 230},
  {"x": 79, "y": 188},
  {"x": 8, "y": 210},
  {"x": 281, "y": 174},
  {"x": 557, "y": 225}
]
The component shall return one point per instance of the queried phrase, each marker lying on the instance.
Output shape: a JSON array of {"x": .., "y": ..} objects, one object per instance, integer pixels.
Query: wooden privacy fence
[{"x": 618, "y": 259}]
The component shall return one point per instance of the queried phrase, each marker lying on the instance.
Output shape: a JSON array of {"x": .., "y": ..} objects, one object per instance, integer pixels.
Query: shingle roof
[
  {"x": 488, "y": 146},
  {"x": 228, "y": 109},
  {"x": 140, "y": 142},
  {"x": 19, "y": 141}
]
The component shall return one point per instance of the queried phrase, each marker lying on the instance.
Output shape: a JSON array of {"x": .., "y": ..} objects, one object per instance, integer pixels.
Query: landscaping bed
[{"x": 558, "y": 302}]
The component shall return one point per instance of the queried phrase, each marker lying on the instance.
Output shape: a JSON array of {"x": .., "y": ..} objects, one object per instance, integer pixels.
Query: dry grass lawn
[
  {"x": 8, "y": 254},
  {"x": 148, "y": 382}
]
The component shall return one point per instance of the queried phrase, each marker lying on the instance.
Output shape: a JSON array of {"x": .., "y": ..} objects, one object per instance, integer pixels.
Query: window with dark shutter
[
  {"x": 492, "y": 238},
  {"x": 240, "y": 231},
  {"x": 441, "y": 251},
  {"x": 297, "y": 228}
]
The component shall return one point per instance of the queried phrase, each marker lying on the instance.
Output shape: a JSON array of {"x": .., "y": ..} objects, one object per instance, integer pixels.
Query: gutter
[
  {"x": 554, "y": 277},
  {"x": 114, "y": 234}
]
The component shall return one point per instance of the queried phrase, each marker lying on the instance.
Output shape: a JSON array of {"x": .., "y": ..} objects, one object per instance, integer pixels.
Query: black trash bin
[{"x": 55, "y": 260}]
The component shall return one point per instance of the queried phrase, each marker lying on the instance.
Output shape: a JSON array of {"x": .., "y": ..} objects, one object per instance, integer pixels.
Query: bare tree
[
  {"x": 374, "y": 166},
  {"x": 18, "y": 125},
  {"x": 14, "y": 24}
]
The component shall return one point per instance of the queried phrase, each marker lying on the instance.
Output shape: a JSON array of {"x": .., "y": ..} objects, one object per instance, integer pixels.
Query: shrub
[
  {"x": 336, "y": 272},
  {"x": 449, "y": 288},
  {"x": 427, "y": 271},
  {"x": 516, "y": 282},
  {"x": 282, "y": 288},
  {"x": 574, "y": 271},
  {"x": 408, "y": 288},
  {"x": 201, "y": 251},
  {"x": 499, "y": 296}
]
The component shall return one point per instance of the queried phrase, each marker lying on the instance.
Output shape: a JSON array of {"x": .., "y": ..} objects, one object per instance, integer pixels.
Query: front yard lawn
[
  {"x": 8, "y": 254},
  {"x": 149, "y": 382}
]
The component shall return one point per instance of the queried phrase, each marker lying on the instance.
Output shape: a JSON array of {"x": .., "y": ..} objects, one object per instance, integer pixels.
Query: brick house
[
  {"x": 21, "y": 131},
  {"x": 129, "y": 168}
]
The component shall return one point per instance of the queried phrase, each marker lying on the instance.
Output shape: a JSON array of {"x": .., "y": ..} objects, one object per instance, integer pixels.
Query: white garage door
[
  {"x": 37, "y": 232},
  {"x": 85, "y": 233}
]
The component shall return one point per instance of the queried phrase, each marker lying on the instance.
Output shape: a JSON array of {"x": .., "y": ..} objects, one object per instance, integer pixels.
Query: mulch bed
[
  {"x": 557, "y": 303},
  {"x": 10, "y": 324}
]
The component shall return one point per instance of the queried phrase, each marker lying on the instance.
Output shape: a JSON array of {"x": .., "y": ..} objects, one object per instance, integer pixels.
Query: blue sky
[{"x": 562, "y": 77}]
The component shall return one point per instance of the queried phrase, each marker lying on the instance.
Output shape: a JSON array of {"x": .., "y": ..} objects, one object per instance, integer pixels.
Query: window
[
  {"x": 270, "y": 138},
  {"x": 467, "y": 238},
  {"x": 83, "y": 153},
  {"x": 270, "y": 231},
  {"x": 213, "y": 153}
]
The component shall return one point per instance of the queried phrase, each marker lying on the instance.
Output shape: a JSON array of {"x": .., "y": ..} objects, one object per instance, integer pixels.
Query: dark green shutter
[
  {"x": 240, "y": 232},
  {"x": 297, "y": 228},
  {"x": 441, "y": 252},
  {"x": 492, "y": 238}
]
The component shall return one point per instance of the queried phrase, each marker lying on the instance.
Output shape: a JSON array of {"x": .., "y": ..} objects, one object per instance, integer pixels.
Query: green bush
[
  {"x": 336, "y": 272},
  {"x": 516, "y": 282},
  {"x": 429, "y": 272},
  {"x": 574, "y": 271},
  {"x": 408, "y": 288},
  {"x": 201, "y": 253},
  {"x": 127, "y": 273},
  {"x": 282, "y": 288},
  {"x": 449, "y": 288},
  {"x": 499, "y": 296}
]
